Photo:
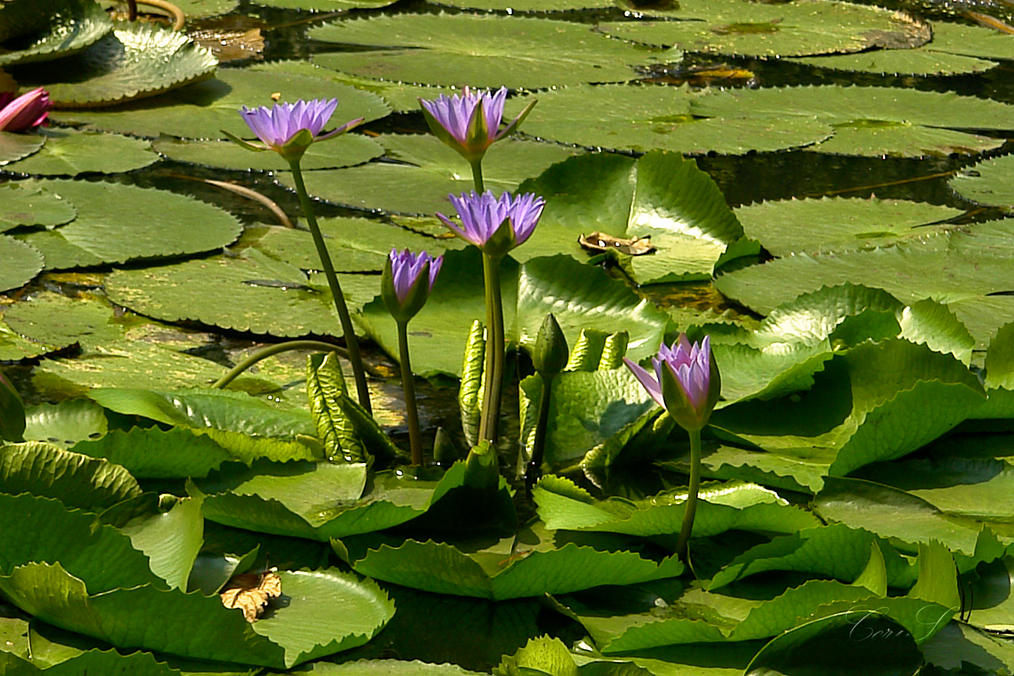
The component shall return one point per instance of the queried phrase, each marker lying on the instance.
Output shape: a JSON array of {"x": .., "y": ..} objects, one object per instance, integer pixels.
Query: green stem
[
  {"x": 408, "y": 385},
  {"x": 348, "y": 331},
  {"x": 494, "y": 350},
  {"x": 687, "y": 528},
  {"x": 477, "y": 176},
  {"x": 272, "y": 350},
  {"x": 539, "y": 443}
]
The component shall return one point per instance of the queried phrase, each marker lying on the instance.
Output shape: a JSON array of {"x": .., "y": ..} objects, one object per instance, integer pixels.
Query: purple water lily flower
[
  {"x": 407, "y": 281},
  {"x": 686, "y": 381},
  {"x": 484, "y": 216},
  {"x": 25, "y": 112},
  {"x": 470, "y": 122},
  {"x": 281, "y": 127}
]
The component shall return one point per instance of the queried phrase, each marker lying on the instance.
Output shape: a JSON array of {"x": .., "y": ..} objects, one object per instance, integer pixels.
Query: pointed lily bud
[
  {"x": 406, "y": 282},
  {"x": 25, "y": 112},
  {"x": 551, "y": 352},
  {"x": 470, "y": 122},
  {"x": 686, "y": 383}
]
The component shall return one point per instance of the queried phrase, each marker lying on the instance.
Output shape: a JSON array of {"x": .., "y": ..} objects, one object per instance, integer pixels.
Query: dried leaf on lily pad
[
  {"x": 71, "y": 25},
  {"x": 251, "y": 592},
  {"x": 633, "y": 246},
  {"x": 134, "y": 61}
]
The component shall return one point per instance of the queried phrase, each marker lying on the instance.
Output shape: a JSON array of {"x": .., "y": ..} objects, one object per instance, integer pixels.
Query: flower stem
[
  {"x": 348, "y": 331},
  {"x": 408, "y": 385},
  {"x": 477, "y": 176},
  {"x": 494, "y": 350},
  {"x": 687, "y": 528},
  {"x": 272, "y": 350},
  {"x": 539, "y": 443}
]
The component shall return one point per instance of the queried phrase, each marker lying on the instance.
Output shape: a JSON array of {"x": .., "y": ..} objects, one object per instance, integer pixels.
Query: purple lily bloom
[
  {"x": 281, "y": 128},
  {"x": 686, "y": 381},
  {"x": 484, "y": 216},
  {"x": 25, "y": 112},
  {"x": 407, "y": 280},
  {"x": 470, "y": 122}
]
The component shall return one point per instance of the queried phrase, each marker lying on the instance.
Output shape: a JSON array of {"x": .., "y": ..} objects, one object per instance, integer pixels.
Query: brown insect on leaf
[
  {"x": 599, "y": 241},
  {"x": 251, "y": 592}
]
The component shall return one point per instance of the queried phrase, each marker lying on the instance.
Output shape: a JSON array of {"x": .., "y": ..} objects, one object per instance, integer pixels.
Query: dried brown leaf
[{"x": 251, "y": 592}]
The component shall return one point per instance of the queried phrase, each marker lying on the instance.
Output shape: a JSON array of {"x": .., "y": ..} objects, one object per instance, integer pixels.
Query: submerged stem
[
  {"x": 272, "y": 350},
  {"x": 494, "y": 350},
  {"x": 687, "y": 528},
  {"x": 408, "y": 385},
  {"x": 348, "y": 331}
]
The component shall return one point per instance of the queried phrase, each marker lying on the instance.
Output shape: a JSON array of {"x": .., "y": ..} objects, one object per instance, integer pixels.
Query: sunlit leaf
[
  {"x": 21, "y": 263},
  {"x": 72, "y": 25},
  {"x": 69, "y": 153}
]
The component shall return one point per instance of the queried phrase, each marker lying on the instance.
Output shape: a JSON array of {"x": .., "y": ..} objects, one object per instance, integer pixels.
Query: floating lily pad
[
  {"x": 921, "y": 61},
  {"x": 204, "y": 109},
  {"x": 785, "y": 29},
  {"x": 345, "y": 151},
  {"x": 984, "y": 43},
  {"x": 326, "y": 5},
  {"x": 69, "y": 28},
  {"x": 249, "y": 293},
  {"x": 55, "y": 319},
  {"x": 538, "y": 562},
  {"x": 30, "y": 204},
  {"x": 154, "y": 453},
  {"x": 528, "y": 5},
  {"x": 871, "y": 120},
  {"x": 21, "y": 263},
  {"x": 432, "y": 171},
  {"x": 789, "y": 226},
  {"x": 66, "y": 423},
  {"x": 482, "y": 51},
  {"x": 15, "y": 146},
  {"x": 58, "y": 252},
  {"x": 68, "y": 153},
  {"x": 989, "y": 182},
  {"x": 117, "y": 222},
  {"x": 355, "y": 244},
  {"x": 661, "y": 195},
  {"x": 203, "y": 8},
  {"x": 136, "y": 60},
  {"x": 657, "y": 117}
]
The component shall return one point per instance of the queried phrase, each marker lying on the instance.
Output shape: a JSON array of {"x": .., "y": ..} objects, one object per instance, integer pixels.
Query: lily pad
[
  {"x": 355, "y": 244},
  {"x": 66, "y": 423},
  {"x": 117, "y": 222},
  {"x": 872, "y": 120},
  {"x": 326, "y": 5},
  {"x": 70, "y": 27},
  {"x": 921, "y": 61},
  {"x": 248, "y": 293},
  {"x": 21, "y": 263},
  {"x": 539, "y": 562},
  {"x": 30, "y": 204},
  {"x": 428, "y": 172},
  {"x": 528, "y": 5},
  {"x": 68, "y": 153},
  {"x": 16, "y": 146},
  {"x": 791, "y": 226},
  {"x": 154, "y": 453},
  {"x": 136, "y": 60},
  {"x": 988, "y": 182},
  {"x": 329, "y": 611},
  {"x": 483, "y": 51},
  {"x": 204, "y": 109},
  {"x": 661, "y": 195},
  {"x": 345, "y": 151},
  {"x": 643, "y": 118},
  {"x": 792, "y": 28},
  {"x": 60, "y": 321}
]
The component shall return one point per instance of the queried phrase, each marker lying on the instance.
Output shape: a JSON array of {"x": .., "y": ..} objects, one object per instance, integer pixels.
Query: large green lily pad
[
  {"x": 429, "y": 172},
  {"x": 921, "y": 61},
  {"x": 204, "y": 109},
  {"x": 136, "y": 60},
  {"x": 248, "y": 293},
  {"x": 31, "y": 204},
  {"x": 783, "y": 29},
  {"x": 71, "y": 26},
  {"x": 871, "y": 120},
  {"x": 117, "y": 222},
  {"x": 15, "y": 146},
  {"x": 68, "y": 153},
  {"x": 482, "y": 51},
  {"x": 789, "y": 226},
  {"x": 661, "y": 196},
  {"x": 326, "y": 5},
  {"x": 21, "y": 263},
  {"x": 528, "y": 5},
  {"x": 645, "y": 118},
  {"x": 988, "y": 182}
]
